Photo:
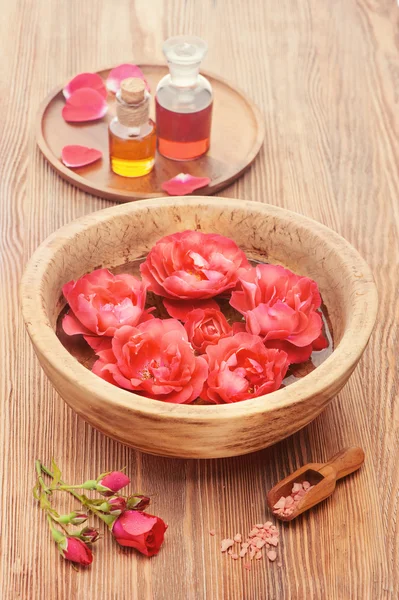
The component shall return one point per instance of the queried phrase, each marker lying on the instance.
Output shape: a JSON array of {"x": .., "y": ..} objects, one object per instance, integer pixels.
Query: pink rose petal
[
  {"x": 184, "y": 184},
  {"x": 85, "y": 104},
  {"x": 121, "y": 72},
  {"x": 85, "y": 80},
  {"x": 79, "y": 156}
]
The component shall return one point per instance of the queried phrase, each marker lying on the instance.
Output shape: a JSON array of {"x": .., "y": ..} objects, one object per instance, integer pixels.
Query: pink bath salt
[
  {"x": 260, "y": 544},
  {"x": 243, "y": 552},
  {"x": 279, "y": 564},
  {"x": 305, "y": 485},
  {"x": 274, "y": 528},
  {"x": 234, "y": 556},
  {"x": 280, "y": 503},
  {"x": 244, "y": 544},
  {"x": 238, "y": 538},
  {"x": 272, "y": 541},
  {"x": 212, "y": 532},
  {"x": 297, "y": 487},
  {"x": 258, "y": 555},
  {"x": 252, "y": 553},
  {"x": 247, "y": 566},
  {"x": 230, "y": 551},
  {"x": 289, "y": 501},
  {"x": 301, "y": 494},
  {"x": 226, "y": 544},
  {"x": 259, "y": 525},
  {"x": 267, "y": 545},
  {"x": 271, "y": 555}
]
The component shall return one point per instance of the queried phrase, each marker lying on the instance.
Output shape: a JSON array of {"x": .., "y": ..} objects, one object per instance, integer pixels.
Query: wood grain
[
  {"x": 326, "y": 77},
  {"x": 237, "y": 135}
]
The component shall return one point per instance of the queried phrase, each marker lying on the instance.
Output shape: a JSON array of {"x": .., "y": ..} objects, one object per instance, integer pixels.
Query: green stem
[
  {"x": 82, "y": 500},
  {"x": 38, "y": 466}
]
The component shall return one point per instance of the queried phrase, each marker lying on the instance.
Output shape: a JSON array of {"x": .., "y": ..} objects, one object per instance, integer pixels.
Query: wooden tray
[{"x": 237, "y": 136}]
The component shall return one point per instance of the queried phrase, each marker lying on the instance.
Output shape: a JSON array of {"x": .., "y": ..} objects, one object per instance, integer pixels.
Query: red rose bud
[
  {"x": 111, "y": 483},
  {"x": 139, "y": 530},
  {"x": 89, "y": 534},
  {"x": 76, "y": 551},
  {"x": 138, "y": 502},
  {"x": 116, "y": 506},
  {"x": 73, "y": 518}
]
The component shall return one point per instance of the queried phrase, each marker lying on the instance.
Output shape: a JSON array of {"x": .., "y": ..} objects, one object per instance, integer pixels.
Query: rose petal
[
  {"x": 121, "y": 72},
  {"x": 179, "y": 309},
  {"x": 184, "y": 184},
  {"x": 85, "y": 104},
  {"x": 85, "y": 80},
  {"x": 79, "y": 156}
]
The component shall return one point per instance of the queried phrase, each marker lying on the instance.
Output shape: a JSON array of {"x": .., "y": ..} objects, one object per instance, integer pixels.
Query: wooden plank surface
[{"x": 325, "y": 75}]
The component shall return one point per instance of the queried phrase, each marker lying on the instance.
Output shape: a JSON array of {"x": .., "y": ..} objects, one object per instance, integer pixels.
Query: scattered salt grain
[
  {"x": 271, "y": 555},
  {"x": 212, "y": 532},
  {"x": 234, "y": 556},
  {"x": 238, "y": 538},
  {"x": 258, "y": 555},
  {"x": 226, "y": 544},
  {"x": 247, "y": 566}
]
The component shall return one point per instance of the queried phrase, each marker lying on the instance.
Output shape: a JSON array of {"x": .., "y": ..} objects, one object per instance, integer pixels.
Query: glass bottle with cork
[
  {"x": 132, "y": 134},
  {"x": 183, "y": 101}
]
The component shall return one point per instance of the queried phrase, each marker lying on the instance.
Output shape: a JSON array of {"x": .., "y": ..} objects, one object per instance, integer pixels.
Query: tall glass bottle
[
  {"x": 132, "y": 135},
  {"x": 183, "y": 101}
]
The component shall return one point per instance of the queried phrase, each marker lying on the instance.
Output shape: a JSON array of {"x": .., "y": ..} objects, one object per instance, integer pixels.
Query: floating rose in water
[
  {"x": 282, "y": 308},
  {"x": 192, "y": 264},
  {"x": 206, "y": 327},
  {"x": 101, "y": 303},
  {"x": 240, "y": 367},
  {"x": 156, "y": 359}
]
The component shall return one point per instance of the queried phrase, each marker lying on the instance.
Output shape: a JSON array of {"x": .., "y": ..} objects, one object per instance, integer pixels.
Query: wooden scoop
[{"x": 323, "y": 476}]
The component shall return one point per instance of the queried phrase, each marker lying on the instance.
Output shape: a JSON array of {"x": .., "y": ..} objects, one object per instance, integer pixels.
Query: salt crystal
[
  {"x": 226, "y": 544},
  {"x": 244, "y": 544},
  {"x": 243, "y": 552},
  {"x": 271, "y": 555},
  {"x": 305, "y": 485},
  {"x": 296, "y": 488},
  {"x": 279, "y": 564},
  {"x": 280, "y": 503},
  {"x": 289, "y": 501},
  {"x": 247, "y": 566},
  {"x": 234, "y": 556},
  {"x": 212, "y": 532},
  {"x": 260, "y": 544},
  {"x": 273, "y": 541},
  {"x": 267, "y": 524},
  {"x": 259, "y": 525},
  {"x": 258, "y": 555},
  {"x": 238, "y": 538}
]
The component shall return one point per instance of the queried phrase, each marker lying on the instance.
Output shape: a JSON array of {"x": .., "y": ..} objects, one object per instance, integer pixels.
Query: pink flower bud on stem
[
  {"x": 87, "y": 534},
  {"x": 109, "y": 484},
  {"x": 138, "y": 502},
  {"x": 73, "y": 518}
]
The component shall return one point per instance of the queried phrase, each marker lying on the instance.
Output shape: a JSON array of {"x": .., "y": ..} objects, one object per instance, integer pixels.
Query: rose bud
[
  {"x": 116, "y": 506},
  {"x": 110, "y": 483},
  {"x": 139, "y": 530},
  {"x": 76, "y": 551},
  {"x": 73, "y": 518},
  {"x": 89, "y": 535},
  {"x": 138, "y": 502}
]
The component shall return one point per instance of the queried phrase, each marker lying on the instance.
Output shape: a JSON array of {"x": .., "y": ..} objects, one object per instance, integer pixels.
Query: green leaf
[
  {"x": 56, "y": 474},
  {"x": 36, "y": 490},
  {"x": 44, "y": 502}
]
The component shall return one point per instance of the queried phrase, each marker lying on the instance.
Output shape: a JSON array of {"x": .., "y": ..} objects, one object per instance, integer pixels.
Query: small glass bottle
[
  {"x": 183, "y": 101},
  {"x": 132, "y": 134}
]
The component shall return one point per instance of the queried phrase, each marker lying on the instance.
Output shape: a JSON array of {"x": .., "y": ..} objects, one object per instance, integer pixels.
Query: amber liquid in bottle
[
  {"x": 132, "y": 155},
  {"x": 132, "y": 134},
  {"x": 183, "y": 136}
]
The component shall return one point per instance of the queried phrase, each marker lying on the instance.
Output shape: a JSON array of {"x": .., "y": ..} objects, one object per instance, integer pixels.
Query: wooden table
[{"x": 326, "y": 77}]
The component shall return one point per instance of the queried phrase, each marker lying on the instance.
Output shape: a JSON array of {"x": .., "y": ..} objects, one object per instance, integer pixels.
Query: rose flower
[
  {"x": 240, "y": 367},
  {"x": 192, "y": 264},
  {"x": 101, "y": 303},
  {"x": 206, "y": 327},
  {"x": 155, "y": 359},
  {"x": 282, "y": 308},
  {"x": 139, "y": 530}
]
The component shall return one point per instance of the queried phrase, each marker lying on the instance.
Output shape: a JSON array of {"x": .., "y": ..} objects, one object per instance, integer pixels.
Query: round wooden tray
[{"x": 237, "y": 136}]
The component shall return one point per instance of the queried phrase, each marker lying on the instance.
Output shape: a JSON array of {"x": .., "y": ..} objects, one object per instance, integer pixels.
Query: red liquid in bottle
[{"x": 185, "y": 135}]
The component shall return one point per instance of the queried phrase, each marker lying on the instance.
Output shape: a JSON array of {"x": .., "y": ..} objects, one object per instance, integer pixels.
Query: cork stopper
[
  {"x": 133, "y": 102},
  {"x": 133, "y": 90}
]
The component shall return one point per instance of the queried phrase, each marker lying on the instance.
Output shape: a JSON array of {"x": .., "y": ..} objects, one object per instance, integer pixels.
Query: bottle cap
[
  {"x": 184, "y": 54},
  {"x": 133, "y": 90}
]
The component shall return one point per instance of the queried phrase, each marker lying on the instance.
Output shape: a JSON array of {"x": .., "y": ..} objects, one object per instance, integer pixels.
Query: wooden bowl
[{"x": 122, "y": 233}]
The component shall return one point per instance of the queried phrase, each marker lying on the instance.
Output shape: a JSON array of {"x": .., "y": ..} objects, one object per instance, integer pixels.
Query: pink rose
[
  {"x": 112, "y": 483},
  {"x": 240, "y": 367},
  {"x": 192, "y": 264},
  {"x": 76, "y": 551},
  {"x": 136, "y": 529},
  {"x": 282, "y": 308},
  {"x": 102, "y": 302},
  {"x": 206, "y": 327},
  {"x": 155, "y": 359}
]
